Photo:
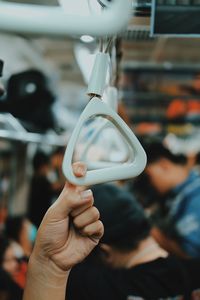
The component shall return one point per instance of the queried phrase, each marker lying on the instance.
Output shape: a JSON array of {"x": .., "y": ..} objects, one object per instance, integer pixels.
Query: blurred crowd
[
  {"x": 151, "y": 245},
  {"x": 18, "y": 232}
]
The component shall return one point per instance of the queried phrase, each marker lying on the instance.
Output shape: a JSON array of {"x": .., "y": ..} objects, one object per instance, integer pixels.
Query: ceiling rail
[{"x": 45, "y": 20}]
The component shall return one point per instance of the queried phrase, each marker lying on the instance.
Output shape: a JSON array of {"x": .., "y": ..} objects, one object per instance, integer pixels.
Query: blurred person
[
  {"x": 41, "y": 191},
  {"x": 197, "y": 162},
  {"x": 139, "y": 268},
  {"x": 22, "y": 233},
  {"x": 9, "y": 289},
  {"x": 178, "y": 220},
  {"x": 144, "y": 192},
  {"x": 56, "y": 175},
  {"x": 133, "y": 266},
  {"x": 194, "y": 161}
]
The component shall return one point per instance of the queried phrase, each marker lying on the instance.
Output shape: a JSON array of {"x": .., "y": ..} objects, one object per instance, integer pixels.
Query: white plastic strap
[
  {"x": 97, "y": 82},
  {"x": 123, "y": 171},
  {"x": 110, "y": 97}
]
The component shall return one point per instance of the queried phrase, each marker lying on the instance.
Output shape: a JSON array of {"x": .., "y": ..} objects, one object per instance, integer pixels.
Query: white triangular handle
[
  {"x": 94, "y": 108},
  {"x": 110, "y": 97}
]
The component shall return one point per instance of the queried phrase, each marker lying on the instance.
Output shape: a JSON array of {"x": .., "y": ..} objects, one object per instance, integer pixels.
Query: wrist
[
  {"x": 45, "y": 271},
  {"x": 44, "y": 280}
]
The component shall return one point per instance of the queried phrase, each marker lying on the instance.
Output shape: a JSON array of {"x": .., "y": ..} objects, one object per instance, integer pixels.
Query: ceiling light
[{"x": 87, "y": 38}]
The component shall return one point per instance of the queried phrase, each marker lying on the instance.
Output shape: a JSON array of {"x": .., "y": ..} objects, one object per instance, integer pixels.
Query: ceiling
[
  {"x": 56, "y": 56},
  {"x": 138, "y": 48}
]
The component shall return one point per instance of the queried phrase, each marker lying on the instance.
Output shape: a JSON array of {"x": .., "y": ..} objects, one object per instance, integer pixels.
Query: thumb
[{"x": 69, "y": 200}]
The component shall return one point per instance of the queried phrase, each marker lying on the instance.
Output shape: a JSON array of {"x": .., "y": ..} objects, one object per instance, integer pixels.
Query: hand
[{"x": 71, "y": 227}]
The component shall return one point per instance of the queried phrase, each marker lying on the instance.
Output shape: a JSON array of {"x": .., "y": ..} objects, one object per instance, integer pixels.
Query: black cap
[{"x": 121, "y": 214}]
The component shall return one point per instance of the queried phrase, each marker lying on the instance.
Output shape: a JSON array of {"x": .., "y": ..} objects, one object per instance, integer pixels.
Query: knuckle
[
  {"x": 86, "y": 230},
  {"x": 100, "y": 227},
  {"x": 77, "y": 222},
  {"x": 95, "y": 213}
]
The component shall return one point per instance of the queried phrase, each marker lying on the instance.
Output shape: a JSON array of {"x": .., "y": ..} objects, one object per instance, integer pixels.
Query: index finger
[{"x": 79, "y": 169}]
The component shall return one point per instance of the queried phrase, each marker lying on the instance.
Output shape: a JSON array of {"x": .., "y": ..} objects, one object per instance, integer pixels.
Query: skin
[
  {"x": 165, "y": 175},
  {"x": 147, "y": 250},
  {"x": 68, "y": 233},
  {"x": 166, "y": 243},
  {"x": 10, "y": 263}
]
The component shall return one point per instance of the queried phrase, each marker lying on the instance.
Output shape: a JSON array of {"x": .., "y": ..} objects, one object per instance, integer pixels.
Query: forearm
[{"x": 45, "y": 281}]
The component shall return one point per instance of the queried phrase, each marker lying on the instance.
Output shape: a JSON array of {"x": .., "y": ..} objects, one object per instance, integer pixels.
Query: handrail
[
  {"x": 40, "y": 19},
  {"x": 16, "y": 132}
]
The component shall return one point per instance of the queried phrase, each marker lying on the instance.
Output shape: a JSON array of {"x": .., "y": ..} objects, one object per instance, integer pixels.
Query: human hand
[{"x": 71, "y": 227}]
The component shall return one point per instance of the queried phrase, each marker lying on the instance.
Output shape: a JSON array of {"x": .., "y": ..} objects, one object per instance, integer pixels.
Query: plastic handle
[
  {"x": 97, "y": 80},
  {"x": 38, "y": 19},
  {"x": 123, "y": 171},
  {"x": 110, "y": 97}
]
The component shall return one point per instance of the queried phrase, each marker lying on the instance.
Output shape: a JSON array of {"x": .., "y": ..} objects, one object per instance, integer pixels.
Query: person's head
[
  {"x": 20, "y": 230},
  {"x": 8, "y": 260},
  {"x": 41, "y": 162},
  {"x": 125, "y": 223},
  {"x": 164, "y": 169},
  {"x": 1, "y": 72}
]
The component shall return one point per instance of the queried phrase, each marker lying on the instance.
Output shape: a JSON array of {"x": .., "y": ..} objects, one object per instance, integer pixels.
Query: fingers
[
  {"x": 70, "y": 200},
  {"x": 79, "y": 169},
  {"x": 94, "y": 231},
  {"x": 72, "y": 197},
  {"x": 82, "y": 208},
  {"x": 88, "y": 223},
  {"x": 87, "y": 217}
]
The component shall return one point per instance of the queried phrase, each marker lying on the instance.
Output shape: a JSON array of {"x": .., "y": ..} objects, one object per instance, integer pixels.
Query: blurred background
[
  {"x": 155, "y": 69},
  {"x": 46, "y": 78}
]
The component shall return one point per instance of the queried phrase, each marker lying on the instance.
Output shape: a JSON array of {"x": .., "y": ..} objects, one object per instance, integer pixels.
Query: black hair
[
  {"x": 4, "y": 245},
  {"x": 13, "y": 227},
  {"x": 59, "y": 150},
  {"x": 1, "y": 67},
  {"x": 40, "y": 159},
  {"x": 156, "y": 151},
  {"x": 125, "y": 223}
]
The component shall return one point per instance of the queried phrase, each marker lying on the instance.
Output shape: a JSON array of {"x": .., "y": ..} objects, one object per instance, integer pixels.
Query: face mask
[{"x": 32, "y": 233}]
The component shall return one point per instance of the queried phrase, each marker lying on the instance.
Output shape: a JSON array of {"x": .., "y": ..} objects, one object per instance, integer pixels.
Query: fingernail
[
  {"x": 86, "y": 194},
  {"x": 81, "y": 170}
]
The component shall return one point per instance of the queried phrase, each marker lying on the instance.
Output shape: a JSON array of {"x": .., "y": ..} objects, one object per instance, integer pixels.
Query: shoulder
[{"x": 87, "y": 281}]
